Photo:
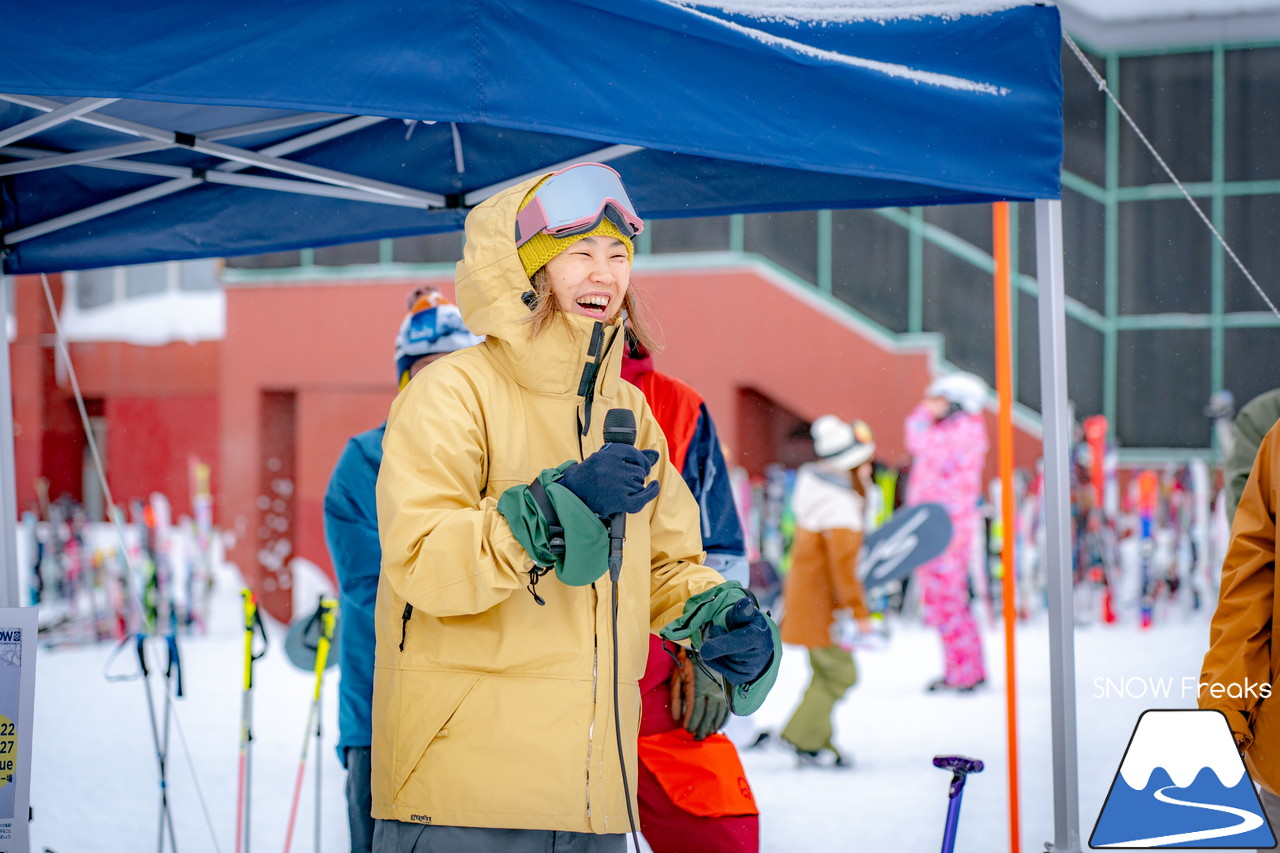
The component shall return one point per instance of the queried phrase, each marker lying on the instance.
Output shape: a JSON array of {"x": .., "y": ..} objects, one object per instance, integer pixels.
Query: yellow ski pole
[
  {"x": 325, "y": 615},
  {"x": 252, "y": 621}
]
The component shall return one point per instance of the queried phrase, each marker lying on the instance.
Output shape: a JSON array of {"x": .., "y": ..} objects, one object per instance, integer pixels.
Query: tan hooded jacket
[
  {"x": 489, "y": 709},
  {"x": 830, "y": 513},
  {"x": 1239, "y": 669}
]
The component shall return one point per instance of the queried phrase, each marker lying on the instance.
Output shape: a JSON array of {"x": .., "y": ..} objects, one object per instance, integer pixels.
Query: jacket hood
[{"x": 490, "y": 286}]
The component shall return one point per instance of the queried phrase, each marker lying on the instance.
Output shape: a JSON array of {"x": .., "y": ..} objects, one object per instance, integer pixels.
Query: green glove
[
  {"x": 711, "y": 609},
  {"x": 562, "y": 532},
  {"x": 697, "y": 697}
]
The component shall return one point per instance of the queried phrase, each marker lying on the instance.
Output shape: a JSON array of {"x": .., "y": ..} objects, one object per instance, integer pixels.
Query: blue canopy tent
[{"x": 132, "y": 133}]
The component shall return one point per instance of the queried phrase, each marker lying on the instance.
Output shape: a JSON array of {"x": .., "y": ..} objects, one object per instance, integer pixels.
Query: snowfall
[{"x": 95, "y": 782}]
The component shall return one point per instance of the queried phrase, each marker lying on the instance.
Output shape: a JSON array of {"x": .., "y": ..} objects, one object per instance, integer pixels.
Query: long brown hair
[{"x": 544, "y": 310}]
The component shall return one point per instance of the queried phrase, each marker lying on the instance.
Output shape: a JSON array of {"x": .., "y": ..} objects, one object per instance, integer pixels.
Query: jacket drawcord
[{"x": 534, "y": 575}]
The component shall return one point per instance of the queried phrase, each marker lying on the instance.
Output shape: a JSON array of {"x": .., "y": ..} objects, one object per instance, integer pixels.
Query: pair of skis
[{"x": 324, "y": 618}]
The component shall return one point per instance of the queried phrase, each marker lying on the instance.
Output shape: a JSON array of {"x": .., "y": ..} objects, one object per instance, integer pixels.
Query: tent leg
[
  {"x": 1057, "y": 508},
  {"x": 9, "y": 568}
]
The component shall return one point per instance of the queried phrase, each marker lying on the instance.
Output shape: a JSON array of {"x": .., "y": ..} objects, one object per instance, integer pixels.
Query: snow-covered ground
[{"x": 95, "y": 788}]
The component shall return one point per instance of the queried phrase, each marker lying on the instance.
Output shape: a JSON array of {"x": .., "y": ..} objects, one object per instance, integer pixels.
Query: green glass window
[
  {"x": 697, "y": 234},
  {"x": 1171, "y": 99},
  {"x": 869, "y": 266}
]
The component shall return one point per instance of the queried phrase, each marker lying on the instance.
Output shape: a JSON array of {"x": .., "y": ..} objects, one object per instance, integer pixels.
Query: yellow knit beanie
[{"x": 542, "y": 247}]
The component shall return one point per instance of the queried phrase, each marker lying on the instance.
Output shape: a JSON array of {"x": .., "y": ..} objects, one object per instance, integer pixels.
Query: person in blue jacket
[{"x": 432, "y": 328}]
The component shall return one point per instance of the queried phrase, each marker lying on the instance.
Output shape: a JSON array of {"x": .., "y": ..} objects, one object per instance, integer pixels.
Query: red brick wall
[
  {"x": 329, "y": 345},
  {"x": 150, "y": 442}
]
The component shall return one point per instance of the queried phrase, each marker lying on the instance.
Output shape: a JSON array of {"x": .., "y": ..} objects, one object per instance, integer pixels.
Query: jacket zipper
[
  {"x": 595, "y": 693},
  {"x": 587, "y": 390}
]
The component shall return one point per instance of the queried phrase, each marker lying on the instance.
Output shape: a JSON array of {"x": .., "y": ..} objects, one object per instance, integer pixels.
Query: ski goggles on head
[{"x": 574, "y": 200}]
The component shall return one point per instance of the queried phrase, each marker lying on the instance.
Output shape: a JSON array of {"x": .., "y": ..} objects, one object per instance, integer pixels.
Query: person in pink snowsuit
[{"x": 947, "y": 439}]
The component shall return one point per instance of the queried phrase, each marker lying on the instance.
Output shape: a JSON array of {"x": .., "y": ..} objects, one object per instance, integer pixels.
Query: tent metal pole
[
  {"x": 1057, "y": 449},
  {"x": 42, "y": 161},
  {"x": 53, "y": 118},
  {"x": 602, "y": 155},
  {"x": 239, "y": 155},
  {"x": 217, "y": 176},
  {"x": 459, "y": 161},
  {"x": 143, "y": 196},
  {"x": 47, "y": 160},
  {"x": 94, "y": 211},
  {"x": 9, "y": 585}
]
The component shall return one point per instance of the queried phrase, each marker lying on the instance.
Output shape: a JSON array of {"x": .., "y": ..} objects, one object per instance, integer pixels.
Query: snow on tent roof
[{"x": 823, "y": 11}]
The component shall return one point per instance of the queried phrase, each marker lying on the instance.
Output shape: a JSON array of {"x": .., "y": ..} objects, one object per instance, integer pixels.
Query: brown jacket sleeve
[
  {"x": 842, "y": 557},
  {"x": 1240, "y": 633}
]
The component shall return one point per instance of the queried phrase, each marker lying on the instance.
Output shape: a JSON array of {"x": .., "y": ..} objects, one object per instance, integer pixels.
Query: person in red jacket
[{"x": 682, "y": 708}]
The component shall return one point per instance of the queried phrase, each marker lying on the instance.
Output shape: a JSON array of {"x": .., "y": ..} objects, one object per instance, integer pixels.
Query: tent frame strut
[
  {"x": 1056, "y": 420},
  {"x": 54, "y": 117},
  {"x": 600, "y": 155},
  {"x": 48, "y": 160},
  {"x": 229, "y": 152},
  {"x": 186, "y": 178}
]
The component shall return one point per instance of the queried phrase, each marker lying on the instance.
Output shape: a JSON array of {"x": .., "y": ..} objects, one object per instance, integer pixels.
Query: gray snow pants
[
  {"x": 393, "y": 836},
  {"x": 1270, "y": 805},
  {"x": 359, "y": 799}
]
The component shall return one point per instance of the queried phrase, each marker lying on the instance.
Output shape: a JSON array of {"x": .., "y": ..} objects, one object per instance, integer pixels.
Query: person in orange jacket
[
  {"x": 1239, "y": 670},
  {"x": 680, "y": 704}
]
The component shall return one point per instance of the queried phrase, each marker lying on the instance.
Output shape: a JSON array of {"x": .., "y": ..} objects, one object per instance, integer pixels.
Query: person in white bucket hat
[{"x": 823, "y": 595}]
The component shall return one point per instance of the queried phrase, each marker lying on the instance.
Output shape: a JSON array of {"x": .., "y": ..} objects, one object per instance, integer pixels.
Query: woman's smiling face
[{"x": 591, "y": 277}]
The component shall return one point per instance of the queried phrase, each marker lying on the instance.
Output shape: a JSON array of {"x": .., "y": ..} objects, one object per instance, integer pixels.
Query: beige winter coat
[{"x": 498, "y": 711}]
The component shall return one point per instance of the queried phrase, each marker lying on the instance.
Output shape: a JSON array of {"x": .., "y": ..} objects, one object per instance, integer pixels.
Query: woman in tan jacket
[
  {"x": 508, "y": 649},
  {"x": 823, "y": 595}
]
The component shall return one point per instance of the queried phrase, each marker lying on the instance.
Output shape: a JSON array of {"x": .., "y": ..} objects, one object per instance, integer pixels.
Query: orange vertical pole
[{"x": 1004, "y": 442}]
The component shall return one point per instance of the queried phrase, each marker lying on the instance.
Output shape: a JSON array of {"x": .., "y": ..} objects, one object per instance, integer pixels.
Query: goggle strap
[{"x": 529, "y": 221}]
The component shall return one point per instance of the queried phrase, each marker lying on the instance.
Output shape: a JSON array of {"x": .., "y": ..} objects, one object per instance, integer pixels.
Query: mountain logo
[{"x": 1182, "y": 783}]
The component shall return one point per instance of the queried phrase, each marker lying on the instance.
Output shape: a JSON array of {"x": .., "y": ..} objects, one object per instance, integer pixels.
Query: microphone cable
[
  {"x": 617, "y": 723},
  {"x": 619, "y": 427}
]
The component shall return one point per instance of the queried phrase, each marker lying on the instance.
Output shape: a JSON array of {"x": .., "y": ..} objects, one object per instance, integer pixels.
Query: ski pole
[
  {"x": 324, "y": 613},
  {"x": 252, "y": 620},
  {"x": 959, "y": 767},
  {"x": 171, "y": 691},
  {"x": 166, "y": 816}
]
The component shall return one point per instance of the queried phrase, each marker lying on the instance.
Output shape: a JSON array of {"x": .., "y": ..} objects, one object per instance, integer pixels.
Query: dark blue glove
[
  {"x": 742, "y": 650},
  {"x": 611, "y": 480}
]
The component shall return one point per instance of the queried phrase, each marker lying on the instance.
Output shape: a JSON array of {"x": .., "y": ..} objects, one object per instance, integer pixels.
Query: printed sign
[
  {"x": 1182, "y": 783},
  {"x": 17, "y": 705}
]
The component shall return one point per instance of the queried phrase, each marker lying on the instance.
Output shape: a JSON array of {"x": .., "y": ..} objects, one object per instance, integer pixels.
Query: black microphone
[{"x": 619, "y": 428}]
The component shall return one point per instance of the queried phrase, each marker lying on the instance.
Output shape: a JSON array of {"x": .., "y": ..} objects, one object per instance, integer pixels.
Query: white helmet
[{"x": 964, "y": 389}]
